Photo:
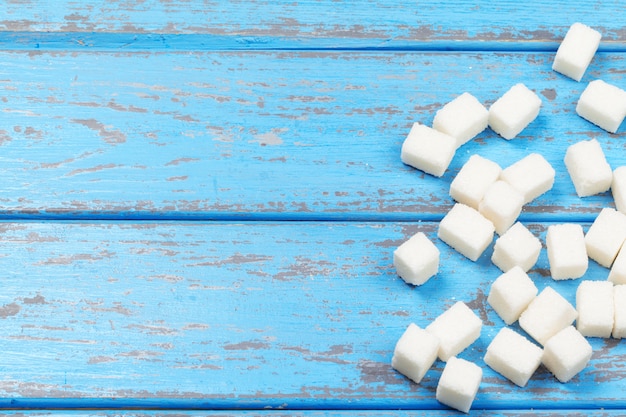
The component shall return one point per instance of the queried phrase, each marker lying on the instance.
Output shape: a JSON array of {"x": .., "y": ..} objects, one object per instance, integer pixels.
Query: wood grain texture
[
  {"x": 306, "y": 135},
  {"x": 201, "y": 200},
  {"x": 340, "y": 23},
  {"x": 222, "y": 315},
  {"x": 306, "y": 413}
]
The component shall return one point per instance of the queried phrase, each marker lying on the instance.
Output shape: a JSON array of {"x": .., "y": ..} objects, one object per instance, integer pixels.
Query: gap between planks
[
  {"x": 10, "y": 217},
  {"x": 155, "y": 42}
]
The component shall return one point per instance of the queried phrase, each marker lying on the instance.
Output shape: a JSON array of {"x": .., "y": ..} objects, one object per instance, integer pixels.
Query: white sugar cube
[
  {"x": 605, "y": 236},
  {"x": 531, "y": 175},
  {"x": 619, "y": 303},
  {"x": 502, "y": 204},
  {"x": 416, "y": 260},
  {"x": 415, "y": 352},
  {"x": 513, "y": 356},
  {"x": 588, "y": 168},
  {"x": 511, "y": 293},
  {"x": 566, "y": 353},
  {"x": 463, "y": 118},
  {"x": 473, "y": 180},
  {"x": 515, "y": 110},
  {"x": 466, "y": 230},
  {"x": 603, "y": 104},
  {"x": 428, "y": 150},
  {"x": 516, "y": 247},
  {"x": 618, "y": 188},
  {"x": 567, "y": 253},
  {"x": 458, "y": 384},
  {"x": 576, "y": 51},
  {"x": 456, "y": 328},
  {"x": 594, "y": 303},
  {"x": 617, "y": 274},
  {"x": 547, "y": 314}
]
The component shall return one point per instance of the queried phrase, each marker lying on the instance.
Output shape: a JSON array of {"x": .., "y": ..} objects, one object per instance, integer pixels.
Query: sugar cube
[
  {"x": 618, "y": 188},
  {"x": 603, "y": 104},
  {"x": 617, "y": 274},
  {"x": 466, "y": 230},
  {"x": 516, "y": 247},
  {"x": 547, "y": 314},
  {"x": 531, "y": 175},
  {"x": 515, "y": 110},
  {"x": 588, "y": 168},
  {"x": 594, "y": 303},
  {"x": 416, "y": 260},
  {"x": 567, "y": 253},
  {"x": 502, "y": 204},
  {"x": 458, "y": 384},
  {"x": 513, "y": 356},
  {"x": 605, "y": 236},
  {"x": 566, "y": 353},
  {"x": 511, "y": 293},
  {"x": 463, "y": 118},
  {"x": 456, "y": 328},
  {"x": 428, "y": 150},
  {"x": 576, "y": 51},
  {"x": 619, "y": 303},
  {"x": 415, "y": 352},
  {"x": 473, "y": 180}
]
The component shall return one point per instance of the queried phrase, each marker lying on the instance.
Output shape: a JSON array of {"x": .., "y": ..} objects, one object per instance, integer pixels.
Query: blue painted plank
[
  {"x": 306, "y": 413},
  {"x": 346, "y": 22},
  {"x": 309, "y": 413},
  {"x": 312, "y": 135},
  {"x": 253, "y": 315},
  {"x": 129, "y": 111}
]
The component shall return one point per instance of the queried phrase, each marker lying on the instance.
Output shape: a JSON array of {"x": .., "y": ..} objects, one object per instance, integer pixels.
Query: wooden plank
[
  {"x": 313, "y": 135},
  {"x": 347, "y": 23},
  {"x": 307, "y": 413},
  {"x": 253, "y": 315}
]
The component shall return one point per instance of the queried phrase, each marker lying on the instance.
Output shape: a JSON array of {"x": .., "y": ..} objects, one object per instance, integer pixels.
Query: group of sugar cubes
[
  {"x": 604, "y": 242},
  {"x": 600, "y": 103},
  {"x": 444, "y": 338},
  {"x": 432, "y": 149},
  {"x": 568, "y": 248},
  {"x": 491, "y": 199},
  {"x": 567, "y": 245},
  {"x": 600, "y": 306},
  {"x": 548, "y": 319}
]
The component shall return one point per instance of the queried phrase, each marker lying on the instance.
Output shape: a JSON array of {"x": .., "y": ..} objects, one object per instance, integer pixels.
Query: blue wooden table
[{"x": 200, "y": 201}]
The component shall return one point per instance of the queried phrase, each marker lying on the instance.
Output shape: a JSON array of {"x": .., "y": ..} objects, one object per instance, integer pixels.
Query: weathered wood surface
[
  {"x": 201, "y": 200},
  {"x": 326, "y": 23},
  {"x": 311, "y": 135},
  {"x": 223, "y": 315},
  {"x": 308, "y": 413}
]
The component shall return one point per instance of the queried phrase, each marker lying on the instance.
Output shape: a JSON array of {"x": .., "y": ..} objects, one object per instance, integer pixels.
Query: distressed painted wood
[
  {"x": 303, "y": 413},
  {"x": 200, "y": 201},
  {"x": 309, "y": 23},
  {"x": 267, "y": 134},
  {"x": 222, "y": 315}
]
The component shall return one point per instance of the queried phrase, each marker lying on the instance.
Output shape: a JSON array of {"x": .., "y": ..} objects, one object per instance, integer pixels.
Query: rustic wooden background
[{"x": 200, "y": 200}]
